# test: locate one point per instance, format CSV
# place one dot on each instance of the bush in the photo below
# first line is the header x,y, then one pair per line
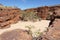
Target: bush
x,y
31,16
37,33
29,28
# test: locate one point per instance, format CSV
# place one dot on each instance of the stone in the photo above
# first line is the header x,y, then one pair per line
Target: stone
x,y
16,34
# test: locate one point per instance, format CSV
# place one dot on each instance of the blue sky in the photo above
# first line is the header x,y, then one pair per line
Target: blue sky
x,y
24,4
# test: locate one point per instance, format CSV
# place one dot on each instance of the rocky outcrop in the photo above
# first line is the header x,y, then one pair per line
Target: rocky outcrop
x,y
53,33
16,34
44,11
8,16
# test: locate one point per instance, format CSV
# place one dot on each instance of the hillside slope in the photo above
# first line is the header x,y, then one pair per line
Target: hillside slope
x,y
8,15
44,11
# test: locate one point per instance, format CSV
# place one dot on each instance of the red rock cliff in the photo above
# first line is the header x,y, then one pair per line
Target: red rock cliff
x,y
8,15
44,11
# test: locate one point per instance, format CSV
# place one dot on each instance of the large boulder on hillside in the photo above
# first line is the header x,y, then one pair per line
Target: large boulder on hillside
x,y
16,34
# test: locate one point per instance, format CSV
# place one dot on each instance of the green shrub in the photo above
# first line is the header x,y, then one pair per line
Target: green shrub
x,y
31,16
29,28
36,33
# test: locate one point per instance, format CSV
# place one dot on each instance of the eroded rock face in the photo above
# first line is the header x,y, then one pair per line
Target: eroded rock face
x,y
16,34
44,11
53,33
8,16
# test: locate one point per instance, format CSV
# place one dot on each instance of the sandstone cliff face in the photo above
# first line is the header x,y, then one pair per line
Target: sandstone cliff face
x,y
16,34
44,11
8,16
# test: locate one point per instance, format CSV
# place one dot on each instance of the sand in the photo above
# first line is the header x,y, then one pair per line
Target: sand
x,y
39,25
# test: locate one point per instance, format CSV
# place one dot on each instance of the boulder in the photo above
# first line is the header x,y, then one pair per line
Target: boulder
x,y
16,34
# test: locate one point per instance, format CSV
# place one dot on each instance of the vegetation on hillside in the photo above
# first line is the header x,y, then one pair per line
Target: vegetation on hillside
x,y
31,16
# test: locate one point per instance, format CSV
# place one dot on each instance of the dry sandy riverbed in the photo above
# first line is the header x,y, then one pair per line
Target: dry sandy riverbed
x,y
22,25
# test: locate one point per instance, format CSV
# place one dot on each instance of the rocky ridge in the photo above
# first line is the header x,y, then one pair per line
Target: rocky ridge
x,y
44,11
8,16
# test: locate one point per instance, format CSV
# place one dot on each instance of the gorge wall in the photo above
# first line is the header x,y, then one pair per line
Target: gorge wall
x,y
8,15
44,11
